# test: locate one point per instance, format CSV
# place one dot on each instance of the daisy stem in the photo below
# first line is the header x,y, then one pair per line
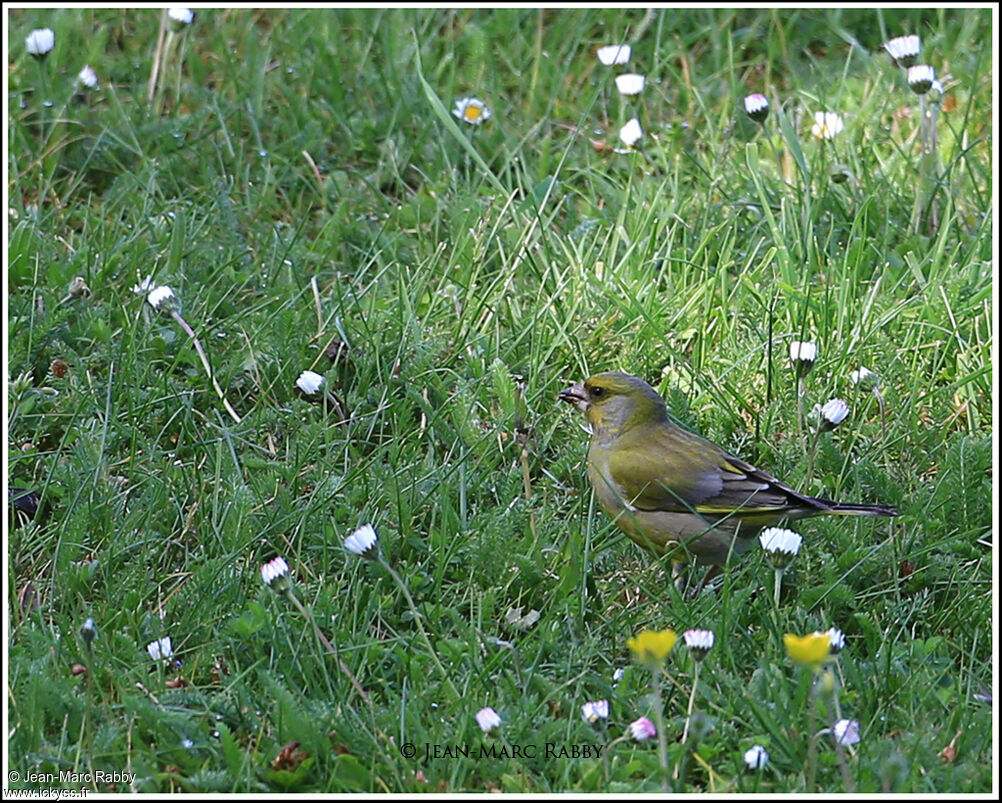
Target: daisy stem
x,y
606,752
89,691
205,363
800,405
151,84
810,456
847,783
660,722
775,152
883,412
932,112
692,703
42,81
812,748
778,586
166,55
330,647
927,168
417,619
833,717
180,65
334,402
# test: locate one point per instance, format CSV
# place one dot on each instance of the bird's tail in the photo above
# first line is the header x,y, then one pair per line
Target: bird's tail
x,y
850,509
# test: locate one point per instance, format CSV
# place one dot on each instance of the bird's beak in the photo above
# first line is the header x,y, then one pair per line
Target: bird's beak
x,y
575,395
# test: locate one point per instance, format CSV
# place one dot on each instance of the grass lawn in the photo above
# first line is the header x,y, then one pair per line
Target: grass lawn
x,y
303,184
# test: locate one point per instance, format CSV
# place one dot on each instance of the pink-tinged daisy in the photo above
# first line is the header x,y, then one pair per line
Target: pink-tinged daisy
x,y
488,719
643,729
273,572
846,732
757,107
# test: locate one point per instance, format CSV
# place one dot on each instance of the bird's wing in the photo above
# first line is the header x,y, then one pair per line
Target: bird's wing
x,y
753,490
683,472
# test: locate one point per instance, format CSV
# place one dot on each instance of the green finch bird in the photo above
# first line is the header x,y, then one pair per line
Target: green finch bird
x,y
672,491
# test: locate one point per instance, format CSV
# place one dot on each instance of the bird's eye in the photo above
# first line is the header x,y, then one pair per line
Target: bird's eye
x,y
597,393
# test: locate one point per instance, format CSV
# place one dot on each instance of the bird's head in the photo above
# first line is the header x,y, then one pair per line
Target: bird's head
x,y
615,402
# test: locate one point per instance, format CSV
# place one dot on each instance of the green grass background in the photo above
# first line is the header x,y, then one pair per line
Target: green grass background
x,y
304,183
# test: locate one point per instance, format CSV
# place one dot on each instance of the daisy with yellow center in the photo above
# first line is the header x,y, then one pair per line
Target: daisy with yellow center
x,y
472,111
827,125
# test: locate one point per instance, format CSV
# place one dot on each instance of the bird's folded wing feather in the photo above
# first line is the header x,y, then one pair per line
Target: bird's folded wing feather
x,y
685,473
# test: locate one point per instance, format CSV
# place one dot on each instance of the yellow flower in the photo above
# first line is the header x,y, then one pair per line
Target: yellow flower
x,y
809,650
652,647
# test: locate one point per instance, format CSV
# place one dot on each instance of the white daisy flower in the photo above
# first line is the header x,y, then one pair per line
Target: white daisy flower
x,y
833,413
161,649
163,299
903,49
144,286
614,54
921,77
631,133
472,111
39,42
593,711
781,545
88,632
802,355
180,17
363,542
310,382
864,378
87,77
846,732
827,125
699,642
630,83
756,757
836,640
